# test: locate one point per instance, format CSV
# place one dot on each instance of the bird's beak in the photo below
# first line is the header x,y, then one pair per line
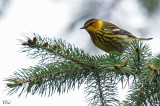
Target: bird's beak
x,y
83,27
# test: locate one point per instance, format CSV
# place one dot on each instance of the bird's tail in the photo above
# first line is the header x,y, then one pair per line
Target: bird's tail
x,y
144,38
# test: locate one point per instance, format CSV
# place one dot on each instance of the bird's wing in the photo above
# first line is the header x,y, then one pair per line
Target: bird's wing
x,y
122,32
111,28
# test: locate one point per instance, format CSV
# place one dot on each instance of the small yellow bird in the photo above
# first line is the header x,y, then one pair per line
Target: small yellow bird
x,y
108,36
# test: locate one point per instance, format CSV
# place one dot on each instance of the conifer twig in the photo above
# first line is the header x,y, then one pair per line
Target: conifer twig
x,y
138,59
42,76
143,88
59,53
78,61
100,88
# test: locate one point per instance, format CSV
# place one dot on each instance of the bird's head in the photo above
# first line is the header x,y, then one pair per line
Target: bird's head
x,y
93,25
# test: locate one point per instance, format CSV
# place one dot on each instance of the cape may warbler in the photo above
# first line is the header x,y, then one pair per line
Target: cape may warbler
x,y
108,36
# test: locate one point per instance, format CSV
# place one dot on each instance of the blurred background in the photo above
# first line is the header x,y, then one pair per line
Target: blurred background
x,y
63,19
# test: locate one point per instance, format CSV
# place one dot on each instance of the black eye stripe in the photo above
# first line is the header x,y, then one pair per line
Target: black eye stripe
x,y
90,24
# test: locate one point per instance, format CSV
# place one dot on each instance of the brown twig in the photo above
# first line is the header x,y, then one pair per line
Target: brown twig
x,y
100,89
40,77
66,56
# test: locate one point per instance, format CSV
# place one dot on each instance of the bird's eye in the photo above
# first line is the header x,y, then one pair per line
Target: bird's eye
x,y
90,24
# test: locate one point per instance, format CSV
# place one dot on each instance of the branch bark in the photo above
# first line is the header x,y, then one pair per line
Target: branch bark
x,y
100,89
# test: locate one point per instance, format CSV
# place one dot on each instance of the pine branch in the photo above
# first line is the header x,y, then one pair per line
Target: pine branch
x,y
41,77
146,91
100,88
148,84
62,66
55,49
138,54
48,75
